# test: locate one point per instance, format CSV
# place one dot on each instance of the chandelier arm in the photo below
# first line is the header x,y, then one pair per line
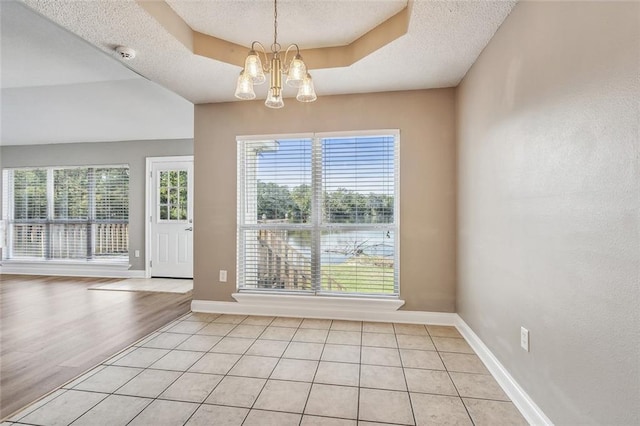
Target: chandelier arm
x,y
285,66
265,64
251,75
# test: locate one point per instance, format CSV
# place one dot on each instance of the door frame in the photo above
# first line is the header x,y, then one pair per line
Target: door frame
x,y
148,208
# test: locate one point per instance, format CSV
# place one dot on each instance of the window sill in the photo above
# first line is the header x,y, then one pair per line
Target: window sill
x,y
63,263
70,268
313,303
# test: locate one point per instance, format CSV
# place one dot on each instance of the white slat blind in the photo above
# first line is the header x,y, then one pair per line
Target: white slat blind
x,y
67,213
359,180
68,231
274,214
110,216
27,193
319,214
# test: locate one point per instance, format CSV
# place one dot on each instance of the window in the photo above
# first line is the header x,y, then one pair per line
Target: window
x,y
173,195
319,214
79,213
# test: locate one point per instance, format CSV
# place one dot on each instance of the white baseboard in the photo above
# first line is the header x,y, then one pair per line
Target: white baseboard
x,y
531,412
326,309
70,270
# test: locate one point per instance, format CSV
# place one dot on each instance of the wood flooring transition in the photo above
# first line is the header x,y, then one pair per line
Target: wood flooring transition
x,y
52,329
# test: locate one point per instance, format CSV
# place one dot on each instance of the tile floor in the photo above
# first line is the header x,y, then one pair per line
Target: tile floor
x,y
206,369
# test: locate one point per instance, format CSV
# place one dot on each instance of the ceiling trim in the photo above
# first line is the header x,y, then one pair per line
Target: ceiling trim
x,y
326,57
170,20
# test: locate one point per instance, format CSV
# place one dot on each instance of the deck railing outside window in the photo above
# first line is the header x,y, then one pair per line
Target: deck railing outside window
x,y
79,213
317,214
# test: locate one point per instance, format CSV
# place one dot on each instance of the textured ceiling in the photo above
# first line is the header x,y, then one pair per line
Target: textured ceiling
x,y
443,41
307,23
57,88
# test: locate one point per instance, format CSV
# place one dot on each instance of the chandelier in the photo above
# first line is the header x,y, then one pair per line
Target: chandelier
x,y
295,71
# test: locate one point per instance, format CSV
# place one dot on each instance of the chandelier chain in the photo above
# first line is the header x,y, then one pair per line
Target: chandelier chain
x,y
275,24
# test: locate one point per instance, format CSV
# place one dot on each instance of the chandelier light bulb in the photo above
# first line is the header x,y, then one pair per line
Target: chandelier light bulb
x,y
274,101
306,92
253,68
297,72
244,88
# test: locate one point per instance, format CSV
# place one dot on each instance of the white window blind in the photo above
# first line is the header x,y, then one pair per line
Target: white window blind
x,y
318,214
28,191
358,248
79,213
274,210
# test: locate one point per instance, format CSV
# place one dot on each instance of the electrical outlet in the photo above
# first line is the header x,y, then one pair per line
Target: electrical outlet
x,y
137,253
223,276
524,338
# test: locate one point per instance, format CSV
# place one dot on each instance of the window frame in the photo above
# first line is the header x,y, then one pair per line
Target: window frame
x,y
316,225
8,215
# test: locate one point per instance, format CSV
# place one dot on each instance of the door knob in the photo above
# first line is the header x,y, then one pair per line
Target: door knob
x,y
189,228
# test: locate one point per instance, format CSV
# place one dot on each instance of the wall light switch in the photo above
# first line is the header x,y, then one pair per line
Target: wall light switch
x,y
524,338
137,253
223,276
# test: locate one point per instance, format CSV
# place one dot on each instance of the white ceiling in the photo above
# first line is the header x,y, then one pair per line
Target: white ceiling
x,y
57,88
443,41
310,24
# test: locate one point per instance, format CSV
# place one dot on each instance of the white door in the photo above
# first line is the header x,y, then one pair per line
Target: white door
x,y
172,219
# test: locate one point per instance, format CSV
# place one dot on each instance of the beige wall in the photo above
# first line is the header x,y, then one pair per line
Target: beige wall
x,y
549,209
427,179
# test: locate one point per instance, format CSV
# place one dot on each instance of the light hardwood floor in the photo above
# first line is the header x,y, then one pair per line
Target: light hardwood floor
x,y
53,328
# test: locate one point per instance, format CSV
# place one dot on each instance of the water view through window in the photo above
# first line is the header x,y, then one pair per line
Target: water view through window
x,y
318,215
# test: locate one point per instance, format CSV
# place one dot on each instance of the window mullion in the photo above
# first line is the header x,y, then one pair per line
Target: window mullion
x,y
316,212
91,195
50,215
9,204
241,214
396,213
